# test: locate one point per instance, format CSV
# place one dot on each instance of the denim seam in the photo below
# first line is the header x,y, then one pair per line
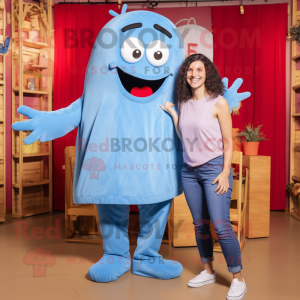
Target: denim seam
x,y
235,238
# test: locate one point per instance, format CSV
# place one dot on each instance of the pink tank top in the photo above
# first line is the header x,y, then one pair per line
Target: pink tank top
x,y
201,132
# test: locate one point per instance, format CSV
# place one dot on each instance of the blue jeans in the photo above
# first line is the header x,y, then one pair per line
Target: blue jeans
x,y
206,205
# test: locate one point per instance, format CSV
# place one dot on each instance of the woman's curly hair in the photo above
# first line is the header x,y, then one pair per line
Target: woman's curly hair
x,y
213,82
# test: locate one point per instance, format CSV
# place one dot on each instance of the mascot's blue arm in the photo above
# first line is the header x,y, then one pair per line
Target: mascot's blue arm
x,y
231,94
49,125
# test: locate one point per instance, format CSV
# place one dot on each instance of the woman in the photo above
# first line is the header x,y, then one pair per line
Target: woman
x,y
205,128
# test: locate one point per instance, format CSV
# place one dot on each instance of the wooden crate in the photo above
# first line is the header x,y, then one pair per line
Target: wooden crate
x,y
32,170
41,147
33,200
33,186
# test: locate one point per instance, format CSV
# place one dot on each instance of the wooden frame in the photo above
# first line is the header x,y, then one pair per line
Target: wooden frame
x,y
2,117
31,181
295,115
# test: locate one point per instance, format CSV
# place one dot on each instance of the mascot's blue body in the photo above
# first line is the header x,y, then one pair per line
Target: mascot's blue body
x,y
127,150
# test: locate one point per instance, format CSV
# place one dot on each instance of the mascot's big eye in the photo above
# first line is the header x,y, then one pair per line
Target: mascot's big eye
x,y
132,50
157,53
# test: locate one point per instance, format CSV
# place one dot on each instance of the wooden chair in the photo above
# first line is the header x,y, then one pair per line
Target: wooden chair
x,y
82,223
238,213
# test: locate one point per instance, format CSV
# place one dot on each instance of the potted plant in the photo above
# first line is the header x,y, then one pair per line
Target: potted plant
x,y
294,33
250,138
294,191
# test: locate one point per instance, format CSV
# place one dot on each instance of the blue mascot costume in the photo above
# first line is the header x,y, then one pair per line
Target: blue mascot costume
x,y
127,150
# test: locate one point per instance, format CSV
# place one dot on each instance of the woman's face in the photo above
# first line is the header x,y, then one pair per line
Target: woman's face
x,y
196,74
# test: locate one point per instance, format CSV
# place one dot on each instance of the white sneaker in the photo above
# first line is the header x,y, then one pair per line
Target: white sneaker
x,y
202,279
237,290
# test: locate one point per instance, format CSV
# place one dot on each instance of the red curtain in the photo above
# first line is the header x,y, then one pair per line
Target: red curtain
x,y
76,28
253,46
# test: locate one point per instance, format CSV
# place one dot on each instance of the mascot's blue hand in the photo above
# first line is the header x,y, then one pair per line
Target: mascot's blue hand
x,y
47,126
4,49
231,94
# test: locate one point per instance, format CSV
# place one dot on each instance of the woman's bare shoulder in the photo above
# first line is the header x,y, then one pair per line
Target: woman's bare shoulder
x,y
222,102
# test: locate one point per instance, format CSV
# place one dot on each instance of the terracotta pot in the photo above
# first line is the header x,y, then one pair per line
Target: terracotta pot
x,y
251,148
236,145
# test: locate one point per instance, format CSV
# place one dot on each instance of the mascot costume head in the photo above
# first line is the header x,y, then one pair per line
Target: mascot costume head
x,y
127,150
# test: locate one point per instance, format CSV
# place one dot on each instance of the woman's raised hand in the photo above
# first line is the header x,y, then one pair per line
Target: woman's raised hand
x,y
168,108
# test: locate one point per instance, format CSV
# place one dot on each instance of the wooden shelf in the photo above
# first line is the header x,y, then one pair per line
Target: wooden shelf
x,y
295,178
296,87
296,115
296,57
31,211
32,183
35,45
31,193
16,89
31,154
37,66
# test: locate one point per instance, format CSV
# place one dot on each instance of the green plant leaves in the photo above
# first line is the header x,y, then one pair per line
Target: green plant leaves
x,y
295,33
251,134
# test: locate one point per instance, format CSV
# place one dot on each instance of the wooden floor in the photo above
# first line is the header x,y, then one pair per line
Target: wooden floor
x,y
271,266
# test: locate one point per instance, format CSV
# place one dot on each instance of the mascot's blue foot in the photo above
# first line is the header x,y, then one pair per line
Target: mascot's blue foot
x,y
156,267
109,268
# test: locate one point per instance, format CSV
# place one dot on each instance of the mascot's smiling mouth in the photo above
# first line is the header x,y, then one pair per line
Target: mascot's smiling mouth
x,y
139,87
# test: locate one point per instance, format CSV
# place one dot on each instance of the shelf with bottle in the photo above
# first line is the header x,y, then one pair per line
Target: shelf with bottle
x,y
37,72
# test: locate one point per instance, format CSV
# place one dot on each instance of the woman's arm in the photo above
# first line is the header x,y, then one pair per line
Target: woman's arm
x,y
168,108
222,111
